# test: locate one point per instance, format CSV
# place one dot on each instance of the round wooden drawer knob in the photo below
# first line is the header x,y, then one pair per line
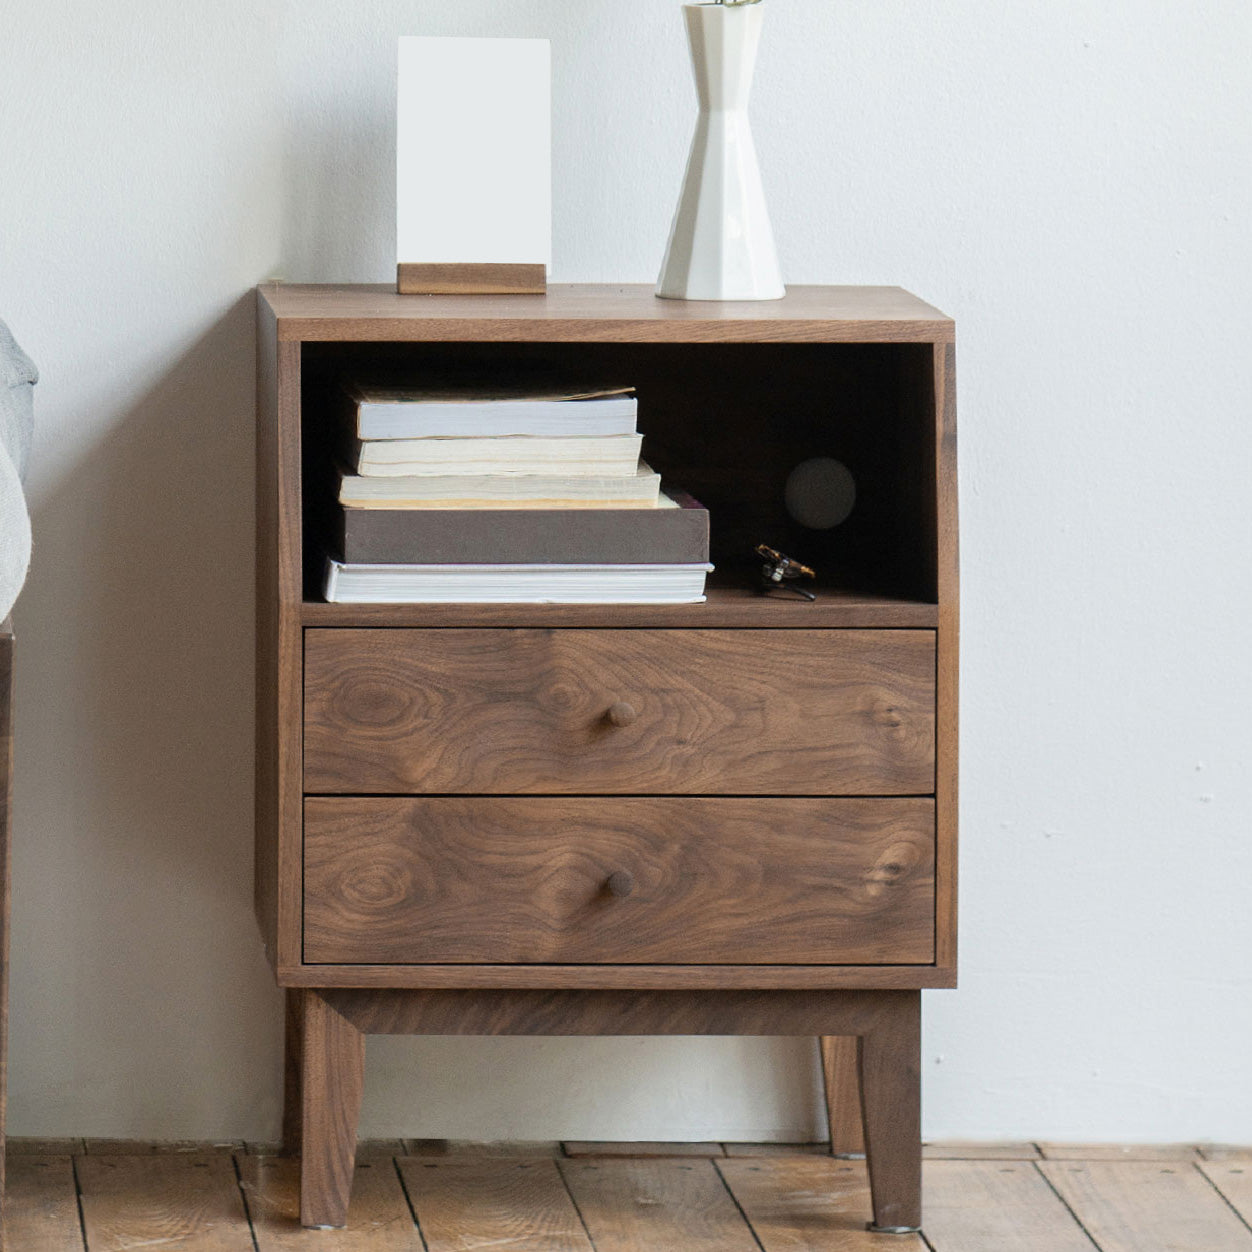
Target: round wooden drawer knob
x,y
621,714
620,883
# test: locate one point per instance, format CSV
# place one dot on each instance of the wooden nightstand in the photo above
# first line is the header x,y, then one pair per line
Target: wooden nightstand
x,y
736,817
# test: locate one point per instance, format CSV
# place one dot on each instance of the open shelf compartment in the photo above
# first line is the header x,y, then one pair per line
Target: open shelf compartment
x,y
725,422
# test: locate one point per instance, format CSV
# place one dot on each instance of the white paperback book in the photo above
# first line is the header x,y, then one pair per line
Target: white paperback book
x,y
514,584
451,412
640,490
511,454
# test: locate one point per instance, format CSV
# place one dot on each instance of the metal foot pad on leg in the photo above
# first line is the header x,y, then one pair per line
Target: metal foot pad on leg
x,y
893,1230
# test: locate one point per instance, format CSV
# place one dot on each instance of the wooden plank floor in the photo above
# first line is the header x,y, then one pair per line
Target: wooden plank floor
x,y
423,1195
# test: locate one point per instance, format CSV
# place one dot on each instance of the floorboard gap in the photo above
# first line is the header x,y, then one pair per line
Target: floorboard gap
x,y
573,1200
1066,1203
78,1198
243,1195
1232,1207
408,1199
735,1201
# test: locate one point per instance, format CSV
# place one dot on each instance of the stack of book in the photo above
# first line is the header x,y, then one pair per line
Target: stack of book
x,y
522,496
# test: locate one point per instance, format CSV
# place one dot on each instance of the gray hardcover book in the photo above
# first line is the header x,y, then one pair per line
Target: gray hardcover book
x,y
675,535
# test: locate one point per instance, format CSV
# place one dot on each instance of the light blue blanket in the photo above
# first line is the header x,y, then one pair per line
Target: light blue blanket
x,y
17,419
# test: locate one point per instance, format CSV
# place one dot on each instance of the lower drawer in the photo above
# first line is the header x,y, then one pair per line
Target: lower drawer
x,y
632,880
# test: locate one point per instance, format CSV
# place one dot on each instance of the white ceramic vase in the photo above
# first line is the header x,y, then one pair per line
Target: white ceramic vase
x,y
721,246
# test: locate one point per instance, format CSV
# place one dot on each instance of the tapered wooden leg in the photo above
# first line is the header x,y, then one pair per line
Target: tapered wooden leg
x,y
889,1060
292,1048
332,1076
843,1094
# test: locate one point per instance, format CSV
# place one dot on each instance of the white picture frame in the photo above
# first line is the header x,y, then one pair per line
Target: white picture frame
x,y
473,163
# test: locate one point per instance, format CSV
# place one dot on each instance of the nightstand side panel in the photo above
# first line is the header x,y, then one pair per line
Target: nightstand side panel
x,y
279,644
947,677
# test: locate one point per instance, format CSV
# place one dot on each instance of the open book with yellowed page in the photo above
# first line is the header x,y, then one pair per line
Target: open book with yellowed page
x,y
642,489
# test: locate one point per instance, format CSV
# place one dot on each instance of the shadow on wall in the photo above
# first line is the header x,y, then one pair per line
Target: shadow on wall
x,y
340,194
669,1087
135,904
142,1003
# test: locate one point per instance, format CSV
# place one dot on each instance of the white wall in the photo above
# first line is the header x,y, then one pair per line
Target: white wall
x,y
1070,180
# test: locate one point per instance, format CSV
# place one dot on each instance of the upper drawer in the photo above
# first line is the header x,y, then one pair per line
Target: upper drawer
x,y
748,712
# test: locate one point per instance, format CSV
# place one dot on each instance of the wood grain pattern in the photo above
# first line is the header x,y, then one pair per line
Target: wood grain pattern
x,y
643,1205
809,1204
461,1148
980,1150
620,977
524,711
730,606
1118,1151
1130,1206
476,279
605,313
268,749
465,1205
293,1071
332,1077
192,1203
41,1205
366,1149
288,661
972,1205
613,1012
843,1095
160,1147
642,1149
378,1213
279,595
947,674
523,880
889,1067
991,1206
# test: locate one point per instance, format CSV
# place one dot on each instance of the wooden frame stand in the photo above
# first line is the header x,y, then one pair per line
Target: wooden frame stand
x,y
428,279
